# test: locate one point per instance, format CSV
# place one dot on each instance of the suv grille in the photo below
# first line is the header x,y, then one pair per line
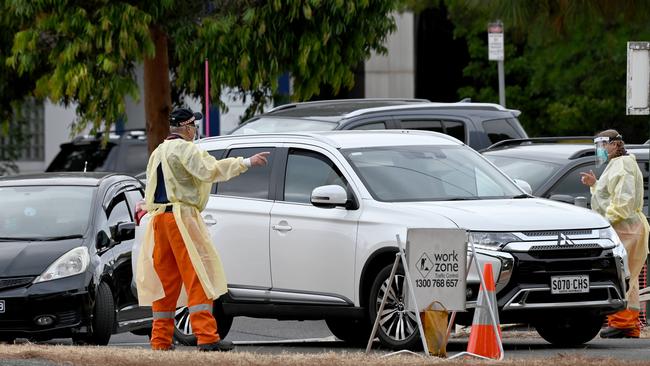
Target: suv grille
x,y
555,233
565,251
6,283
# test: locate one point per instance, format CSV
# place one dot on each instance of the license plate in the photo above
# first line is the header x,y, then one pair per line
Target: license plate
x,y
569,284
2,306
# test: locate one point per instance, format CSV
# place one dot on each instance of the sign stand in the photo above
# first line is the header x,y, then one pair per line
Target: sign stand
x,y
495,327
401,256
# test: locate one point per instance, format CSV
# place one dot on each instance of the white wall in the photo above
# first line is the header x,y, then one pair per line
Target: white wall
x,y
393,75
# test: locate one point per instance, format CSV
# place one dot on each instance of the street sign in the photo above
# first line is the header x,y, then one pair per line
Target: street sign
x,y
437,263
638,78
495,41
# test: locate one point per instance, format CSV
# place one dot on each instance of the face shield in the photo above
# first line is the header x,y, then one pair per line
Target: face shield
x,y
601,150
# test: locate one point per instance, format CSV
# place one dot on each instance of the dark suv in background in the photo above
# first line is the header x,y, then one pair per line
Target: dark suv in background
x,y
478,125
124,153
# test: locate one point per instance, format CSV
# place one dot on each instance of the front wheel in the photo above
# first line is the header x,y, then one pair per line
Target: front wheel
x,y
103,318
183,333
570,330
352,331
398,327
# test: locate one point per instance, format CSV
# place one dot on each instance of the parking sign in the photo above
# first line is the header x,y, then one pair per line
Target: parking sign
x,y
495,41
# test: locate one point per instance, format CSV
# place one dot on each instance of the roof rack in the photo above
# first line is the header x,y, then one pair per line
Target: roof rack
x,y
540,140
342,101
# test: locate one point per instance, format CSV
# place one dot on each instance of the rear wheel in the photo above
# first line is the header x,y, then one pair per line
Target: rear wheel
x,y
353,331
183,333
570,330
398,326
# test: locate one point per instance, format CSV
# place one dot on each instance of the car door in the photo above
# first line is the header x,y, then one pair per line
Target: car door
x,y
118,257
237,217
312,249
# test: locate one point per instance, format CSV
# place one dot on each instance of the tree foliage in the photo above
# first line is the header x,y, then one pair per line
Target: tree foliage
x,y
565,62
89,48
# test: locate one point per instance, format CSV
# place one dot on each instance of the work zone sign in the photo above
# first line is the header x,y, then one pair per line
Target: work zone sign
x,y
437,262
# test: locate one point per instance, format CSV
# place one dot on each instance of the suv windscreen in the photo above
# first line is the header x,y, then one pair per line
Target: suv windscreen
x,y
73,157
271,124
428,173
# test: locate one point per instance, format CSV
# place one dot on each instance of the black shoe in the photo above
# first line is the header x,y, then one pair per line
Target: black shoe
x,y
221,346
611,332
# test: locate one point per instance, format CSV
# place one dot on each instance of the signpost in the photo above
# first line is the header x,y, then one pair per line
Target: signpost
x,y
496,53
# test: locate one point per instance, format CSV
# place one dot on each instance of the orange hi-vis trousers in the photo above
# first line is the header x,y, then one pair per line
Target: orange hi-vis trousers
x,y
627,319
174,268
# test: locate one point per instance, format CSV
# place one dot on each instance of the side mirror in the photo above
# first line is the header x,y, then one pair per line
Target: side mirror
x,y
102,241
581,201
563,198
329,196
123,231
524,185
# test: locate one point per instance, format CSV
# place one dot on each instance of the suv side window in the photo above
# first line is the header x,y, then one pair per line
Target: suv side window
x,y
371,126
423,125
252,184
499,129
455,129
570,183
307,170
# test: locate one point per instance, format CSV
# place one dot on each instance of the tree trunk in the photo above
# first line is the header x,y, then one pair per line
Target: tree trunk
x,y
157,91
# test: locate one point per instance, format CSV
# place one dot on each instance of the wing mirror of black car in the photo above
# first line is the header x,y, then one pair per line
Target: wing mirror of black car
x,y
331,196
563,198
102,241
123,231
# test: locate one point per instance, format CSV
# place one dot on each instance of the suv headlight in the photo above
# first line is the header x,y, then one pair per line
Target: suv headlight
x,y
619,249
490,240
71,263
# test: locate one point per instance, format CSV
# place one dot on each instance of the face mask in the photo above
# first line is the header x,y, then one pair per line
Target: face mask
x,y
601,155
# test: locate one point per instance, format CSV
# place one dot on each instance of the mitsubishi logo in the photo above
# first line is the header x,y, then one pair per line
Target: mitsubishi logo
x,y
564,240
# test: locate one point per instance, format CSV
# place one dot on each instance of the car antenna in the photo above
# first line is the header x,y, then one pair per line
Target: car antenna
x,y
85,165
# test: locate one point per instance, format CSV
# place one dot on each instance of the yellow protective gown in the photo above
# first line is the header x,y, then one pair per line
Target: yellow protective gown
x,y
189,173
618,195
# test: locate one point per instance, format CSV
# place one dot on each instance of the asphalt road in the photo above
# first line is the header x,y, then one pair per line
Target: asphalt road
x,y
271,336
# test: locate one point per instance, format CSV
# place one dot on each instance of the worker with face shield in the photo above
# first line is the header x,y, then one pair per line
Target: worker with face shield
x,y
177,251
618,196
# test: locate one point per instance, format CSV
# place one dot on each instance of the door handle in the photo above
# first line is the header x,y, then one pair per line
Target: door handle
x,y
209,220
281,227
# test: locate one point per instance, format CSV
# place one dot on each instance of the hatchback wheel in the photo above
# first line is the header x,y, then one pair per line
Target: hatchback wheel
x,y
183,333
398,327
103,318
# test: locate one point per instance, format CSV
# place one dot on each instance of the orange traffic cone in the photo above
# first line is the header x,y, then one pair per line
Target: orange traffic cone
x,y
482,340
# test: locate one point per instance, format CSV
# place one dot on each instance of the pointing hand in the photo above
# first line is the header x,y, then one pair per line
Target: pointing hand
x,y
259,159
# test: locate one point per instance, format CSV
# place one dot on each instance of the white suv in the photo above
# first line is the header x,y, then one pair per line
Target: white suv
x,y
312,235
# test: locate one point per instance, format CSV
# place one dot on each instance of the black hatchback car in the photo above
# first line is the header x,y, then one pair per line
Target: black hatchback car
x,y
478,125
65,257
